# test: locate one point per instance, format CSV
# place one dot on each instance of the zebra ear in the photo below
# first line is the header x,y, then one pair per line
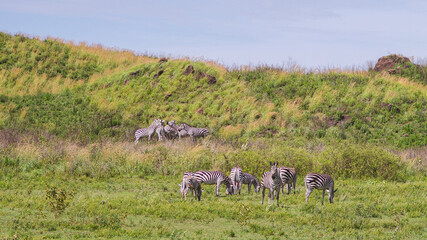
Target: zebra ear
x,y
179,184
335,190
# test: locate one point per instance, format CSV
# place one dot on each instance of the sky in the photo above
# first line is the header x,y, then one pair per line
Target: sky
x,y
314,34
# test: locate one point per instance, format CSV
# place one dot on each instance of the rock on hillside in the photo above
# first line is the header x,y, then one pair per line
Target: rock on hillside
x,y
392,63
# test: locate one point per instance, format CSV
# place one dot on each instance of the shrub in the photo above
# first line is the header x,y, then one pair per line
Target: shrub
x,y
360,161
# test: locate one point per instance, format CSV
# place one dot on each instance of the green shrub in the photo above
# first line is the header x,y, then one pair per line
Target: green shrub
x,y
360,161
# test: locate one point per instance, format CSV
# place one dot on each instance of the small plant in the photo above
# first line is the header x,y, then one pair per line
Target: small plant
x,y
58,199
244,213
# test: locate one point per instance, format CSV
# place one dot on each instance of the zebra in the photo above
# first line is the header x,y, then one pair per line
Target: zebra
x,y
271,180
182,134
190,182
251,180
147,132
193,132
236,176
182,185
214,177
161,130
171,130
288,177
321,182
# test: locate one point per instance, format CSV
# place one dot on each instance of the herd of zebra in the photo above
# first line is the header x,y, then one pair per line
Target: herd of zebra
x,y
170,131
273,180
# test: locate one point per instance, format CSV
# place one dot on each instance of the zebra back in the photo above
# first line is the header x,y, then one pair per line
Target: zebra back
x,y
193,131
287,175
319,181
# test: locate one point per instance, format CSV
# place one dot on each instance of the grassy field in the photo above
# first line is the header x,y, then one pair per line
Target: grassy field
x,y
56,189
69,168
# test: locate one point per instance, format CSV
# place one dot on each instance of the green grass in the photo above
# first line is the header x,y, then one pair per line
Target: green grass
x,y
119,190
150,207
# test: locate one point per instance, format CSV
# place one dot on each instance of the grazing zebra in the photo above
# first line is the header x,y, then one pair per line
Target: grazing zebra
x,y
193,132
321,182
161,130
271,180
214,177
147,132
251,180
182,185
171,130
236,176
288,177
190,182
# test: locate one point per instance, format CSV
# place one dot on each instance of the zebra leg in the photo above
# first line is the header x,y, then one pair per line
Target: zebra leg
x,y
307,194
240,187
288,188
278,194
263,194
323,195
249,188
282,186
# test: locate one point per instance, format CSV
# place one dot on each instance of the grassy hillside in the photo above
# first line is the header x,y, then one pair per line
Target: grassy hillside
x,y
124,91
69,167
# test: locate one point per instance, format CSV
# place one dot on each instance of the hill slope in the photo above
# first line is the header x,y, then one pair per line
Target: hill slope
x,y
90,92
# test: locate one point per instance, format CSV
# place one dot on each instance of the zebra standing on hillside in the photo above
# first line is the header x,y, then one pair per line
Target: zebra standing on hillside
x,y
236,176
271,180
161,130
214,177
193,132
321,182
288,177
251,180
147,132
171,130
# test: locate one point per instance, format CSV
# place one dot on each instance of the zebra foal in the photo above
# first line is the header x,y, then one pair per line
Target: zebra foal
x,y
321,182
250,179
271,181
147,132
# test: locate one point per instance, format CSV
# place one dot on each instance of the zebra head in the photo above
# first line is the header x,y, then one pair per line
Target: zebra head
x,y
274,170
182,126
257,188
228,186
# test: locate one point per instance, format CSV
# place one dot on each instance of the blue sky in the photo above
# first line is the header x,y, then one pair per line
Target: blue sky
x,y
312,33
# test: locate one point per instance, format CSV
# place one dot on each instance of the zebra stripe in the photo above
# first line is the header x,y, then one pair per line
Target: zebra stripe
x,y
321,182
214,177
251,180
236,176
193,132
147,132
271,181
288,177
